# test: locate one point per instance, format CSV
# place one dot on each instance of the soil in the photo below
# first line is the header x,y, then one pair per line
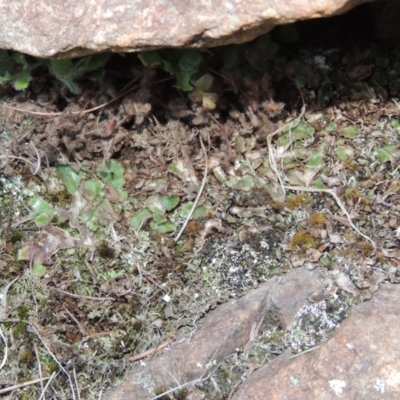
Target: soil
x,y
289,164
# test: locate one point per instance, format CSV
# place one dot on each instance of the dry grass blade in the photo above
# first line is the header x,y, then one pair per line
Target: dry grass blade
x,y
271,157
203,183
38,161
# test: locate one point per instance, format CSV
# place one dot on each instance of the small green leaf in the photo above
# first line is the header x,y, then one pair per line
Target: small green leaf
x,y
296,132
331,127
164,227
190,61
324,261
137,220
395,123
113,172
96,61
300,81
316,160
204,83
183,80
350,132
344,152
42,212
150,59
319,184
64,71
160,204
70,178
39,270
169,202
385,153
22,80
197,213
42,220
159,218
169,67
91,189
246,183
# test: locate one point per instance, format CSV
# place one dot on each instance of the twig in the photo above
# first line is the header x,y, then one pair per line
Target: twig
x,y
47,384
80,326
3,307
81,296
18,158
150,352
76,384
55,114
198,194
191,383
54,358
304,352
339,203
39,367
5,355
21,385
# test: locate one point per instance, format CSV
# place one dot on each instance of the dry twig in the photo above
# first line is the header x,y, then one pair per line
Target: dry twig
x,y
22,385
151,351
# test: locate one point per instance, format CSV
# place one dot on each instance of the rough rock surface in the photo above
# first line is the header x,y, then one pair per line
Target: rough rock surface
x,y
223,331
74,28
361,360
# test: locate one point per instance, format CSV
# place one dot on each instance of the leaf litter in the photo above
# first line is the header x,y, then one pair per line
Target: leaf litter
x,y
127,223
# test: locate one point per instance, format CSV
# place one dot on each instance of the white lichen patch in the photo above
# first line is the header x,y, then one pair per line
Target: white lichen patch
x,y
314,322
337,386
238,265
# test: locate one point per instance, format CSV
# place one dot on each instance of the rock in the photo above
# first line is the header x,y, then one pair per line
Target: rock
x,y
223,330
361,360
54,28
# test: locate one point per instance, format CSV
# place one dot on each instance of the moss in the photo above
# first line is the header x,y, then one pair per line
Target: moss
x,y
26,356
160,390
62,198
23,312
19,329
302,240
293,202
15,237
365,248
104,250
181,394
317,220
